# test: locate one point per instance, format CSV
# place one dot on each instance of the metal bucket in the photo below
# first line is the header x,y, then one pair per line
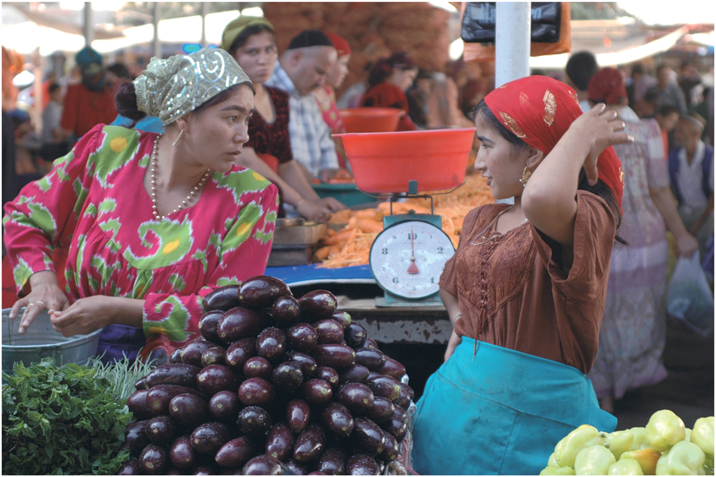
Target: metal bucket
x,y
41,341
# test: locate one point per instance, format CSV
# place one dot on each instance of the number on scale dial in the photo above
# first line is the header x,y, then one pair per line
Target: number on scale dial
x,y
408,258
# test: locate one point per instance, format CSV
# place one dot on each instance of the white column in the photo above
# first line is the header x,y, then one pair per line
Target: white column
x,y
88,26
204,11
156,44
512,41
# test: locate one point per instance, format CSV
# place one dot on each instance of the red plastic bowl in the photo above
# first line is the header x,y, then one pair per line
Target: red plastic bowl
x,y
364,120
385,162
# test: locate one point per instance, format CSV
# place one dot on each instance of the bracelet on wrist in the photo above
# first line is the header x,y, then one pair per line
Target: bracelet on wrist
x,y
298,204
457,315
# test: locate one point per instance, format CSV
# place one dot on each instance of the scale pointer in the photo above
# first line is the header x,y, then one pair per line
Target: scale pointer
x,y
412,269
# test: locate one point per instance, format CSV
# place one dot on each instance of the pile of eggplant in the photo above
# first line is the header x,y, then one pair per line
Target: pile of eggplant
x,y
276,385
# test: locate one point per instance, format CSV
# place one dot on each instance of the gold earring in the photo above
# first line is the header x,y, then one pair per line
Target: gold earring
x,y
526,174
181,131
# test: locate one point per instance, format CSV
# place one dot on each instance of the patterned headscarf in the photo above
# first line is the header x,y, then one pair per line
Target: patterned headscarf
x,y
539,110
236,27
607,85
169,89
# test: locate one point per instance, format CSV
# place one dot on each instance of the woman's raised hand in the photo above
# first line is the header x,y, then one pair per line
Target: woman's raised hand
x,y
600,128
313,211
45,294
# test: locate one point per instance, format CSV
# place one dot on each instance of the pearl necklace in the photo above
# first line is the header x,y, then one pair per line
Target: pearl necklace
x,y
153,180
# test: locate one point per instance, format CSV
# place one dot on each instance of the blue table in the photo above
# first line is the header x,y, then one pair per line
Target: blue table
x,y
311,275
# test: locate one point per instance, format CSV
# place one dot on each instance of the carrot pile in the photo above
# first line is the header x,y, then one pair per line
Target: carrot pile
x,y
351,245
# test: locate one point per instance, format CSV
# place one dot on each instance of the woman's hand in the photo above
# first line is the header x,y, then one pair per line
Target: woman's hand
x,y
600,128
332,203
45,294
84,316
452,344
313,211
687,245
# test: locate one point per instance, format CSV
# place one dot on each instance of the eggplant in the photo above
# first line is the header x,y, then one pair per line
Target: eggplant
x,y
381,411
256,392
207,325
263,465
215,378
179,374
317,305
191,352
390,450
153,460
224,406
386,386
141,383
271,344
362,464
355,335
209,437
316,391
262,291
161,430
135,437
285,311
392,368
302,337
338,419
203,470
236,452
174,358
298,415
257,367
213,355
396,426
372,359
238,323
406,396
334,355
159,396
368,436
287,377
343,318
254,421
355,373
329,375
369,343
279,442
239,352
356,397
295,467
222,299
181,453
137,404
307,363
309,444
188,410
131,467
329,331
332,462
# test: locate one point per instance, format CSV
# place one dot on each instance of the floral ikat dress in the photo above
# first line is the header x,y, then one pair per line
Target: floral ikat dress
x,y
93,201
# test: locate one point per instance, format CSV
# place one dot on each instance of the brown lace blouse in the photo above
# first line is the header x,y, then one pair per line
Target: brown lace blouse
x,y
513,291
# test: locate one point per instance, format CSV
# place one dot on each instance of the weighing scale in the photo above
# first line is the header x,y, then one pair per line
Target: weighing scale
x,y
408,256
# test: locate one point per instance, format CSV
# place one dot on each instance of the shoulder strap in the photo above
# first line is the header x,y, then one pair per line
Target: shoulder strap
x,y
674,172
706,170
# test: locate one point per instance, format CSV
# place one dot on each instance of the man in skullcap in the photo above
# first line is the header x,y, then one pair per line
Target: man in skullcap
x,y
301,69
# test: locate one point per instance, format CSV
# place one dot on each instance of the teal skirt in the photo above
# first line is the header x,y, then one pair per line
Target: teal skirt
x,y
499,411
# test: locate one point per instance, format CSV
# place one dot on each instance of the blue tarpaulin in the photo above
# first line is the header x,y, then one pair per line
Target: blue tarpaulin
x,y
311,274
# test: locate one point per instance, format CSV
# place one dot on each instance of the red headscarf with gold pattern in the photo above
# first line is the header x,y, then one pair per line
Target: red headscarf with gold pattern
x,y
539,110
341,45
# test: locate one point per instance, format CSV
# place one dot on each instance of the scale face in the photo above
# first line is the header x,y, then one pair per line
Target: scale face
x,y
407,258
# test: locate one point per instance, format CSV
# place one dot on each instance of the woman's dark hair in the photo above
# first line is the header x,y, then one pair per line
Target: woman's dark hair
x,y
243,37
600,188
380,72
126,100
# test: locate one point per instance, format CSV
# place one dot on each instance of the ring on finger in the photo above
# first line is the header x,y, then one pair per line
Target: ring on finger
x,y
41,302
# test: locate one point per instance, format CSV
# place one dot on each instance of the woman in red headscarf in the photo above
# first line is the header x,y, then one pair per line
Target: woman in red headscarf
x,y
326,95
387,82
526,287
633,332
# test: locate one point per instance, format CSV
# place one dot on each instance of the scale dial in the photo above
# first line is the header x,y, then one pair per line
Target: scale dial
x,y
407,258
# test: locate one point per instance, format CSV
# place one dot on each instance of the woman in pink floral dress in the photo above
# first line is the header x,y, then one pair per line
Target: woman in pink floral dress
x,y
153,222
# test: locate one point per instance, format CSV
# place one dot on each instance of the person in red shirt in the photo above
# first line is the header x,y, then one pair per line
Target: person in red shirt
x,y
90,102
387,83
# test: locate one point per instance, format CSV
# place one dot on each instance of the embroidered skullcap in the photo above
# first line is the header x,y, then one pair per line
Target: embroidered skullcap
x,y
169,89
539,110
309,38
89,61
236,27
341,45
607,85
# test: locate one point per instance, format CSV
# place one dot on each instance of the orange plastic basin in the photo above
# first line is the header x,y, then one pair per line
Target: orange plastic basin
x,y
364,120
385,162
